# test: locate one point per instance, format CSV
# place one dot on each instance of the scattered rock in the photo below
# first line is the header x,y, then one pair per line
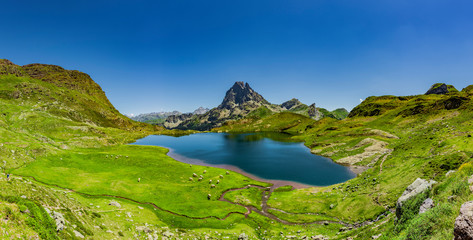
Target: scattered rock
x,y
168,234
416,188
449,173
332,206
426,205
58,219
318,237
140,207
23,196
376,236
116,204
143,229
464,222
78,234
243,236
376,147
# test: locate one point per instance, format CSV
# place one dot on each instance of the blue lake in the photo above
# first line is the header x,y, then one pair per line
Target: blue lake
x,y
268,156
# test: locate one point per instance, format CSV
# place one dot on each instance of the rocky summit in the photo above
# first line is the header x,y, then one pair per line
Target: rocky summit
x,y
239,101
241,94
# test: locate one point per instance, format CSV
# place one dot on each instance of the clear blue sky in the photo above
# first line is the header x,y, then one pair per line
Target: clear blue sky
x,y
179,55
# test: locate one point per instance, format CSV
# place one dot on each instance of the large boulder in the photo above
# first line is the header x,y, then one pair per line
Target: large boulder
x,y
464,222
417,187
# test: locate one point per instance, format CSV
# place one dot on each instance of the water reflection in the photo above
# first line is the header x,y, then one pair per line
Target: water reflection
x,y
266,155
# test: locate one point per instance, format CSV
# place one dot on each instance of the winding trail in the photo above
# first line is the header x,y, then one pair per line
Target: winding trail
x,y
264,206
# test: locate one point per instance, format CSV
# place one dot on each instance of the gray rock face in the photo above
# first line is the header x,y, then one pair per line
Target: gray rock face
x,y
241,93
438,89
174,120
417,187
154,115
200,110
58,219
314,112
426,205
464,223
291,104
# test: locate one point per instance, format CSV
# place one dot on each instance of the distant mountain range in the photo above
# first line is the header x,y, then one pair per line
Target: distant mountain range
x,y
242,101
158,118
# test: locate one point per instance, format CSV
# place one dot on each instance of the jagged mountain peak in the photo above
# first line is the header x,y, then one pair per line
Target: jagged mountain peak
x,y
241,93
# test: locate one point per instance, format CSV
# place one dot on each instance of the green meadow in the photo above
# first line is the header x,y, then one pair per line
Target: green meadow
x,y
68,151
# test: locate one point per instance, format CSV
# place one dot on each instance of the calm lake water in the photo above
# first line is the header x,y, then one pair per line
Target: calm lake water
x,y
269,156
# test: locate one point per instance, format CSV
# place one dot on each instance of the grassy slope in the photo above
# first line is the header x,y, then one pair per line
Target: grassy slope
x,y
433,136
44,121
163,181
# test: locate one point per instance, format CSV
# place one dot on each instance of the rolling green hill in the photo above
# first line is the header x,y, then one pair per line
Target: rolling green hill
x,y
66,148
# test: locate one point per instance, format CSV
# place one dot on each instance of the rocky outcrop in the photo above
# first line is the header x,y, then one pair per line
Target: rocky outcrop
x,y
376,147
464,222
314,112
438,88
147,117
58,219
291,104
417,187
174,120
200,110
441,88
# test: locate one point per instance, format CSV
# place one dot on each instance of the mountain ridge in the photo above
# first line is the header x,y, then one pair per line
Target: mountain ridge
x,y
242,101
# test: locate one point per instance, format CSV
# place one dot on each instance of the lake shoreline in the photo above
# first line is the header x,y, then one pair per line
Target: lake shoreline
x,y
271,159
276,183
